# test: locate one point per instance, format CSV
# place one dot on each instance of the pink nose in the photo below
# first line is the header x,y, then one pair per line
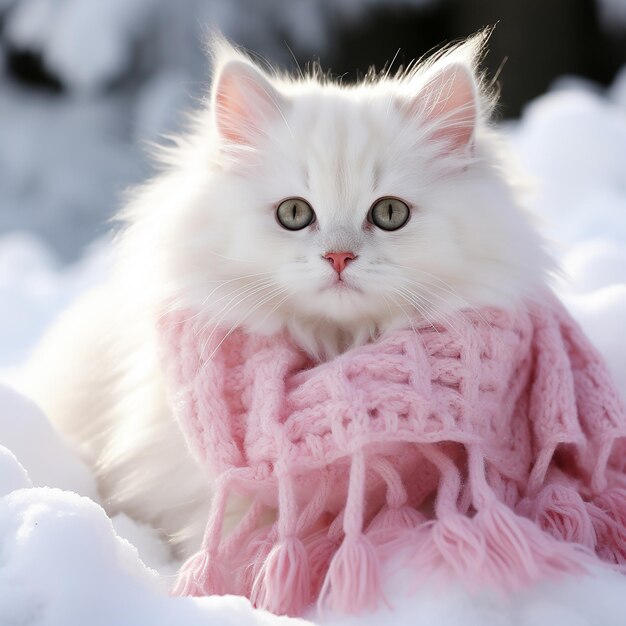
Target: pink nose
x,y
339,259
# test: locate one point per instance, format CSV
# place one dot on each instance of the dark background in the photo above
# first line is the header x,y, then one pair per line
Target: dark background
x,y
534,41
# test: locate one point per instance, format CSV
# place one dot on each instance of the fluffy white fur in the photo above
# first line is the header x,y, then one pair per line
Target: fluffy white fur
x,y
203,234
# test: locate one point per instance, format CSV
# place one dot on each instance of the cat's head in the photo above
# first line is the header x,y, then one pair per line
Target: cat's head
x,y
306,203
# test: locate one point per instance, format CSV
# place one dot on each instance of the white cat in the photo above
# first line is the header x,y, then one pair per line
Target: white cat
x,y
335,211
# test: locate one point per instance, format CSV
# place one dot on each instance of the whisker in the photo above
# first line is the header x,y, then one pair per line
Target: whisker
x,y
436,311
231,280
230,305
408,317
233,295
229,258
407,297
236,325
175,305
236,290
444,287
275,307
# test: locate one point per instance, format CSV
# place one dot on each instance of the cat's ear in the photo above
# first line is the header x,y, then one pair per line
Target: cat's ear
x,y
244,102
447,105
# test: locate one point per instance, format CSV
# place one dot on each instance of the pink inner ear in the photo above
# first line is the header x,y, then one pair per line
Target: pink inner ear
x,y
448,102
234,117
244,101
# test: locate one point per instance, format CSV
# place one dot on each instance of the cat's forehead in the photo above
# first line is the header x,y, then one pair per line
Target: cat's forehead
x,y
348,125
342,146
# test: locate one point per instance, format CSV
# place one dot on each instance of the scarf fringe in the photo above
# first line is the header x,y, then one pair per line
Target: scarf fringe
x,y
354,579
496,548
610,533
561,512
613,501
283,585
390,521
519,553
200,575
288,566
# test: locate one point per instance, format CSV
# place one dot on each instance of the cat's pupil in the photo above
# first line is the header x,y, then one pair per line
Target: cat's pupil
x,y
390,207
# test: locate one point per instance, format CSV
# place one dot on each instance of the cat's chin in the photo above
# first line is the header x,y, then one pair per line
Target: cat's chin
x,y
326,334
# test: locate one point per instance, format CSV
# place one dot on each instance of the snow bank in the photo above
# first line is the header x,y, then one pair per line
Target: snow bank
x,y
27,433
573,141
62,563
35,288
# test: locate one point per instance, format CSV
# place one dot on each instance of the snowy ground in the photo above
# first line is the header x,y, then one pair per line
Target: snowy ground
x,y
62,561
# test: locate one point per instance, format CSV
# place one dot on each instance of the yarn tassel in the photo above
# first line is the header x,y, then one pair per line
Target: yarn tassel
x,y
518,553
460,545
258,549
200,575
496,549
396,516
283,586
393,530
561,512
613,501
353,582
445,549
392,520
610,533
320,547
451,545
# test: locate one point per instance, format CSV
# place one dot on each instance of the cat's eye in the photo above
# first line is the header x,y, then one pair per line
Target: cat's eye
x,y
294,214
389,213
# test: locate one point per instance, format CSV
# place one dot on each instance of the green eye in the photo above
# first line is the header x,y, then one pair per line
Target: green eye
x,y
294,214
389,213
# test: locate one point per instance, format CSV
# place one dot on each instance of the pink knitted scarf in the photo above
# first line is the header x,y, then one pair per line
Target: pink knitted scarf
x,y
486,449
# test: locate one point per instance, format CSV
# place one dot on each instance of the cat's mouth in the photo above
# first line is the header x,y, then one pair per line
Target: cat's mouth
x,y
341,285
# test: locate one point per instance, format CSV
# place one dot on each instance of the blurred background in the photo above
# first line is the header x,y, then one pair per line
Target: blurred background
x,y
85,85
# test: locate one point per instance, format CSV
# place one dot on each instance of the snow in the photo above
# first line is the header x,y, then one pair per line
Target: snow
x,y
28,434
63,562
63,164
573,141
613,15
35,287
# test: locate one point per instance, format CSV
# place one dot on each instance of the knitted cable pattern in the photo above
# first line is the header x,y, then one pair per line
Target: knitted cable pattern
x,y
487,449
